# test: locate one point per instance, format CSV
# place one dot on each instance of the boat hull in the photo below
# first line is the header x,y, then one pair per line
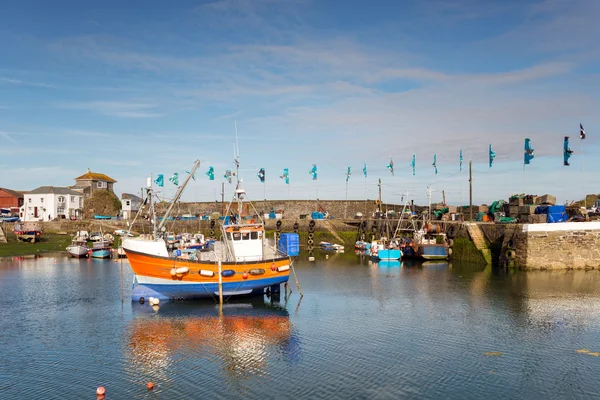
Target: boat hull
x,y
78,251
102,253
388,254
143,287
153,276
433,251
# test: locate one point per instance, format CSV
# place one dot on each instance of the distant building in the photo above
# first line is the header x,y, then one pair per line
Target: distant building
x,y
11,200
48,202
89,182
130,205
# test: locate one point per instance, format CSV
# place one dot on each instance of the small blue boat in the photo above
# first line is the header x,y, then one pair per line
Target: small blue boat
x,y
9,219
102,217
101,249
389,254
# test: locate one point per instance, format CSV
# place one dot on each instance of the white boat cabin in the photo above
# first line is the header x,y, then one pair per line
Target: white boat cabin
x,y
245,242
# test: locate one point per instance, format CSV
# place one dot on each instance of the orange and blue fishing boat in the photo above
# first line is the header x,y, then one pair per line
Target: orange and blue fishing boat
x,y
242,262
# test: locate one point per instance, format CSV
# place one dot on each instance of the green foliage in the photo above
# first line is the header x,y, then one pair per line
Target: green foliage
x,y
102,202
47,243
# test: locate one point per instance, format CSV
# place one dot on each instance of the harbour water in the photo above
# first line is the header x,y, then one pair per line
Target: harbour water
x,y
362,330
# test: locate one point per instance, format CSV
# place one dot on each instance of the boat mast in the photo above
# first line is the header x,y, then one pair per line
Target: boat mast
x,y
178,196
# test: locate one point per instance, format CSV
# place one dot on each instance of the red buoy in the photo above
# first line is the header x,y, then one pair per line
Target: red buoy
x,y
100,391
245,275
273,267
149,385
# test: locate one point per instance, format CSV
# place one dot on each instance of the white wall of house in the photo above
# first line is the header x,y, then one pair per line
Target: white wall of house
x,y
47,206
130,207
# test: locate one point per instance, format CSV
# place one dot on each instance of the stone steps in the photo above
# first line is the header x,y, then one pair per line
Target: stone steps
x,y
2,236
479,241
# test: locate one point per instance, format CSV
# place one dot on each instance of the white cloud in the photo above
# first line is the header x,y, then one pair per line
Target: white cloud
x,y
116,108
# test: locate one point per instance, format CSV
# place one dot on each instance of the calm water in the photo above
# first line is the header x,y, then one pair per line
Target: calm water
x,y
361,331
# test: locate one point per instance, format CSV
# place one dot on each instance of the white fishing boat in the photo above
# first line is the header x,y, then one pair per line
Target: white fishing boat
x,y
78,248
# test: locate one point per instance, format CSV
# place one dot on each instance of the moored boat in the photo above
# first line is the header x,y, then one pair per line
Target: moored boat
x,y
242,262
101,249
78,248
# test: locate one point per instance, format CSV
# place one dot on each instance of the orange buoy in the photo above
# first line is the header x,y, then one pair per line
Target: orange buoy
x,y
149,385
245,275
100,391
273,267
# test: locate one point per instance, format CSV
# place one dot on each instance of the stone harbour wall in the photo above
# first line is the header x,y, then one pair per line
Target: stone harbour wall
x,y
570,245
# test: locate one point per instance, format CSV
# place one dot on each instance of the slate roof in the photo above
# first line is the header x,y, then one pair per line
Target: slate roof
x,y
13,193
94,176
54,190
129,196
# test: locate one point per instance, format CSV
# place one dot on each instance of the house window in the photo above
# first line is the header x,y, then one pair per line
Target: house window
x,y
61,199
60,210
42,199
127,202
80,202
101,185
72,199
29,199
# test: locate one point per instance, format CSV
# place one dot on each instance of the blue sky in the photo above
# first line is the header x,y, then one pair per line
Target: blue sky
x,y
132,89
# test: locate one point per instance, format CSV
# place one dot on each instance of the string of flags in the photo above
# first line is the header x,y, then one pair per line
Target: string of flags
x,y
175,179
492,155
313,172
211,173
528,156
261,175
528,152
285,176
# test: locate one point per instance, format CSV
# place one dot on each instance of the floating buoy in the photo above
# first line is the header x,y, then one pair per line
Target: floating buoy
x,y
228,272
154,301
327,256
142,300
100,391
273,267
245,275
155,308
283,268
150,300
149,385
173,272
205,272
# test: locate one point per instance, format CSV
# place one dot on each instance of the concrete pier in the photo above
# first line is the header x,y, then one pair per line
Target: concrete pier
x,y
568,245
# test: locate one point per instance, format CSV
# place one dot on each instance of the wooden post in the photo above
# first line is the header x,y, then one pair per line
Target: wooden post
x,y
470,191
220,285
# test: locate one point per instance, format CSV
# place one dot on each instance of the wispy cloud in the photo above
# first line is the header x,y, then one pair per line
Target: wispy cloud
x,y
26,83
6,137
116,108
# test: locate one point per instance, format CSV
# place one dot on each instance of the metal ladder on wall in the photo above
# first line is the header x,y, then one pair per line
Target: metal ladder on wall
x,y
479,240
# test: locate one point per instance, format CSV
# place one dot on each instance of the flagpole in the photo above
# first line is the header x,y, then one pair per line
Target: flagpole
x,y
582,172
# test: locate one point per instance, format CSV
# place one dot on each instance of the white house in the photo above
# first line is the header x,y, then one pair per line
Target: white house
x,y
48,202
130,204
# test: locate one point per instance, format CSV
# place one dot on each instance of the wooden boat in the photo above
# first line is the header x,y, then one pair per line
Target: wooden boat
x,y
242,263
101,249
78,248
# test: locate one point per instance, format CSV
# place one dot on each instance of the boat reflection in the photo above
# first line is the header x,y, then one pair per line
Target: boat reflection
x,y
241,339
